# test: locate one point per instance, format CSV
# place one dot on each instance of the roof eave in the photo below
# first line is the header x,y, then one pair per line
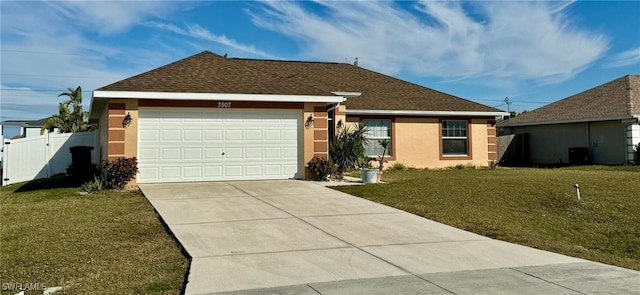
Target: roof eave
x,y
635,118
100,97
426,113
218,96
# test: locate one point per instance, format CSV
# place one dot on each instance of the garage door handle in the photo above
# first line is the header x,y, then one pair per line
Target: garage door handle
x,y
223,153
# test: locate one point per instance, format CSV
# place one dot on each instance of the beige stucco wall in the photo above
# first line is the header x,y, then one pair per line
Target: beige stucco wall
x,y
417,143
312,146
131,132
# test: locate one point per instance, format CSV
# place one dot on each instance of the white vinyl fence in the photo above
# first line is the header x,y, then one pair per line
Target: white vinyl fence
x,y
42,156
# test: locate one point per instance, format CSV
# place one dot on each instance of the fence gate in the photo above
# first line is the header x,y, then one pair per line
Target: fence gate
x,y
43,156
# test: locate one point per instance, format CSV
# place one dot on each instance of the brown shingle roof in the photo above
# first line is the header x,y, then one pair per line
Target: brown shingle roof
x,y
379,92
210,73
207,72
618,98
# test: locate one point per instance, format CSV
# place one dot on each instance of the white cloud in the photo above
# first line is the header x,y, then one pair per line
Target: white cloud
x,y
523,40
49,46
625,58
198,32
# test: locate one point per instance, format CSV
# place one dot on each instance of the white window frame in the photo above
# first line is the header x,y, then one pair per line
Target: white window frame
x,y
373,136
446,136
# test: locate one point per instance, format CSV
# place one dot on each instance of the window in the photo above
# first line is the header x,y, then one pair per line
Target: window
x,y
455,140
377,130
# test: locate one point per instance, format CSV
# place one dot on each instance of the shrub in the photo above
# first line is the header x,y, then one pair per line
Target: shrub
x,y
638,153
321,168
347,149
397,166
93,186
120,171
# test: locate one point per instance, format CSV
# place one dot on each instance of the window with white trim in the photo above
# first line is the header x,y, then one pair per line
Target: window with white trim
x,y
455,138
377,129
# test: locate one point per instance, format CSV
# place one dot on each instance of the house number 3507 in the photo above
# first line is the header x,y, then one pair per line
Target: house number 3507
x,y
224,104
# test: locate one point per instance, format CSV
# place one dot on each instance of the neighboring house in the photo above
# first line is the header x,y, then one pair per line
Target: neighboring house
x,y
599,125
207,117
28,128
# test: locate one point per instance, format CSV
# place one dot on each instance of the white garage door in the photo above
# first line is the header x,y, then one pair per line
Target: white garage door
x,y
176,145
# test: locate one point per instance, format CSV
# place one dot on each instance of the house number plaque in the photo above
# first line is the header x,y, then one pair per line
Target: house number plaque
x,y
224,104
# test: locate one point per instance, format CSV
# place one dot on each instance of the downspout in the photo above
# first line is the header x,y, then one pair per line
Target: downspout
x,y
333,107
332,125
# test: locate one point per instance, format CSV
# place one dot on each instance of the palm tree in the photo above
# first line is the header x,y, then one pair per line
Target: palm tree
x,y
70,118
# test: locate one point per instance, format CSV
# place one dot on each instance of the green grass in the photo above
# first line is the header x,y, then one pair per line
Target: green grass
x,y
106,243
533,207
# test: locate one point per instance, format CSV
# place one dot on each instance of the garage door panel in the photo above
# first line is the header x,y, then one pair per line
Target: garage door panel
x,y
252,170
192,172
289,153
192,153
152,135
152,154
253,153
215,144
272,170
213,153
170,154
171,135
193,135
170,172
272,135
290,169
291,135
233,153
230,135
272,153
253,135
170,117
213,172
212,134
232,171
149,172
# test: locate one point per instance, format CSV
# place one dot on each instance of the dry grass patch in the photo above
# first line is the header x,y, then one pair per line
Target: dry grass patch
x,y
532,207
105,243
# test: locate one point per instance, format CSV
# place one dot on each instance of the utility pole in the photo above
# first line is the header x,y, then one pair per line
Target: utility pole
x,y
508,102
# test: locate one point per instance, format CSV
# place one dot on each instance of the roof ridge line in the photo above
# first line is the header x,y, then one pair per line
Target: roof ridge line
x,y
288,60
296,75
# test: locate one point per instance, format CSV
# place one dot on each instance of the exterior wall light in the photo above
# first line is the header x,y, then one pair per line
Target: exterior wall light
x,y
127,120
309,121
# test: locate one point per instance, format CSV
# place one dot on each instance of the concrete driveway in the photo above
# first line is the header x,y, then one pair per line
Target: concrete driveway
x,y
296,237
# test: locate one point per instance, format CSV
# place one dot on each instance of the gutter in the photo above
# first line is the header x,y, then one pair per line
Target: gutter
x,y
635,118
425,113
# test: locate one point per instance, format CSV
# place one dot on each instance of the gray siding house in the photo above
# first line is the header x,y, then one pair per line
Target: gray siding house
x,y
600,126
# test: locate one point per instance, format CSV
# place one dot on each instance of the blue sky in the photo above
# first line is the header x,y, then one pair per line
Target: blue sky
x,y
532,52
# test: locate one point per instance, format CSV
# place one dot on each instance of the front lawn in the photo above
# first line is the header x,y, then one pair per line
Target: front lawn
x,y
533,207
105,243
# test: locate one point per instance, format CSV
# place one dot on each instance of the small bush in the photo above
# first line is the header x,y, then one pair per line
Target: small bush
x,y
93,186
638,153
120,171
462,167
397,166
321,168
